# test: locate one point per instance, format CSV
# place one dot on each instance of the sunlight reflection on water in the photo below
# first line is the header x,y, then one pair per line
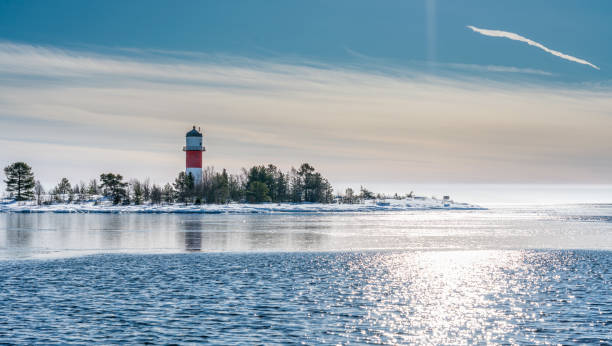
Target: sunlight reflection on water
x,y
432,297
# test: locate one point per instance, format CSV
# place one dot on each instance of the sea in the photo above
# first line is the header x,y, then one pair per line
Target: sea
x,y
509,274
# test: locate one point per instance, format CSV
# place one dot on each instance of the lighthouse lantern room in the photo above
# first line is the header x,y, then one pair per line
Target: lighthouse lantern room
x,y
193,150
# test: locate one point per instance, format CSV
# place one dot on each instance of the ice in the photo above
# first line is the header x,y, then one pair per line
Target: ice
x,y
104,206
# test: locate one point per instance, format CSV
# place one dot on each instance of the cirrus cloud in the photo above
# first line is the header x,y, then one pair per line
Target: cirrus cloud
x,y
517,37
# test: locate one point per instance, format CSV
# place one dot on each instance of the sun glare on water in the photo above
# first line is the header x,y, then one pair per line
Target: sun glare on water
x,y
445,297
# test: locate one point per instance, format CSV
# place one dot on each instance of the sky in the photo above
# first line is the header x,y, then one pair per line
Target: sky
x,y
394,92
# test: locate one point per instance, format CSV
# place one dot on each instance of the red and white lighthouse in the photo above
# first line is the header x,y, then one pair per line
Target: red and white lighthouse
x,y
194,149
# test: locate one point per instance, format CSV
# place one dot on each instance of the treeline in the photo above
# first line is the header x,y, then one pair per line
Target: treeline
x,y
254,185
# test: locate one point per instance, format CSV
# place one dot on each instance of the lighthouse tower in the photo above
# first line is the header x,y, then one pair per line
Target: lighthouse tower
x,y
194,149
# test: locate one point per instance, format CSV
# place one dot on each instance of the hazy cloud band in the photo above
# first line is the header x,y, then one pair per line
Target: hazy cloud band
x,y
77,114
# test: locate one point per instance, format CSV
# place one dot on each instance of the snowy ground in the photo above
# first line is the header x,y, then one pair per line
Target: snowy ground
x,y
417,203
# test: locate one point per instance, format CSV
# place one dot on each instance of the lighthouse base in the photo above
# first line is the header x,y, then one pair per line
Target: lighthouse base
x,y
196,173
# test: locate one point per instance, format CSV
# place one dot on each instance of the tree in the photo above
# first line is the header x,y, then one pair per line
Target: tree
x,y
156,194
282,187
76,191
92,188
146,189
221,187
113,186
263,177
365,193
184,186
296,186
137,191
236,188
258,192
270,178
206,190
82,191
276,182
62,189
307,185
349,196
306,173
19,181
324,193
168,193
38,191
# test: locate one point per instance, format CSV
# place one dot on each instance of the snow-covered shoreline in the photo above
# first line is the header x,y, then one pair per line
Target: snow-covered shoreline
x,y
417,203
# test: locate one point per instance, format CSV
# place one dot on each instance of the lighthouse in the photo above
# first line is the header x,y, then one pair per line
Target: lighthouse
x,y
193,150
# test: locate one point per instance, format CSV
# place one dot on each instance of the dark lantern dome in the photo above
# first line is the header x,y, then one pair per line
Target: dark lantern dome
x,y
193,133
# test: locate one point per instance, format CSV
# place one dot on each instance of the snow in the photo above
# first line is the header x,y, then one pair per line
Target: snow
x,y
417,203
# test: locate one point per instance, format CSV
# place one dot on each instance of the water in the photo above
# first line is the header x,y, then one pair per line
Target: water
x,y
507,275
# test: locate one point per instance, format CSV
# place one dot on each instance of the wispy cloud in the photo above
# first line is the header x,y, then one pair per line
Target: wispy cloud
x,y
517,37
442,67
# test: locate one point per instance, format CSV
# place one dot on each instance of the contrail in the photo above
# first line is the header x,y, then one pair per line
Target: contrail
x,y
516,37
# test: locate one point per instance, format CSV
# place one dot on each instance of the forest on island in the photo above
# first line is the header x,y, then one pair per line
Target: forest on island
x,y
257,184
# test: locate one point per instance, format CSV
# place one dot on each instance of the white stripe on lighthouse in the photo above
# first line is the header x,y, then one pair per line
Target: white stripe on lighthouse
x,y
197,174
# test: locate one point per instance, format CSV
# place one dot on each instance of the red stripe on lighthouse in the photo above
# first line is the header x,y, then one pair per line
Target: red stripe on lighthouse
x,y
194,159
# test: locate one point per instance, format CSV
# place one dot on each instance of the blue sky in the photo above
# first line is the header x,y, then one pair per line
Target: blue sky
x,y
397,91
405,33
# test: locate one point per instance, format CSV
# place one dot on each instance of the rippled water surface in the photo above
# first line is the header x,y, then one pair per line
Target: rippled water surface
x,y
523,275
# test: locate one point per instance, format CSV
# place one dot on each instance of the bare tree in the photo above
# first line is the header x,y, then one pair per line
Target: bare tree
x,y
146,189
82,191
156,194
39,191
93,188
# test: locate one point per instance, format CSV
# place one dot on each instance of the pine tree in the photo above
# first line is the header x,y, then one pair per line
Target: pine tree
x,y
365,193
113,186
261,184
282,188
306,173
258,192
270,179
64,188
168,193
19,181
297,186
184,186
